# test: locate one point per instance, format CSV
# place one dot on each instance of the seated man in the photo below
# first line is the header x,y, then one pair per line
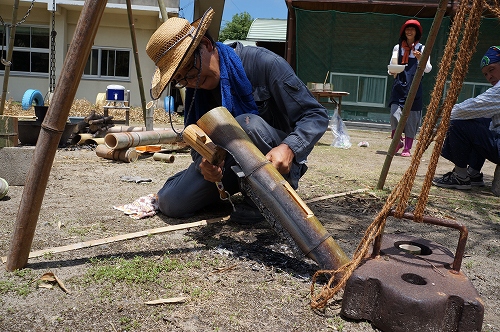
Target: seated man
x,y
474,133
258,88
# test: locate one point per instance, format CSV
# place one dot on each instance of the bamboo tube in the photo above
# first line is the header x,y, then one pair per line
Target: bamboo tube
x,y
86,138
96,141
121,129
118,141
81,138
125,155
281,205
167,158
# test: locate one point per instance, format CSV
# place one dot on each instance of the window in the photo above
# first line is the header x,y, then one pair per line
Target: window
x,y
106,62
365,90
469,90
31,50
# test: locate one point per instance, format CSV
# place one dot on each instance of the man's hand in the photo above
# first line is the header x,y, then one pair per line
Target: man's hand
x,y
281,157
212,173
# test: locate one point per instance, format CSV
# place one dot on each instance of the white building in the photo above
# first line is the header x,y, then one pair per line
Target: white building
x,y
37,63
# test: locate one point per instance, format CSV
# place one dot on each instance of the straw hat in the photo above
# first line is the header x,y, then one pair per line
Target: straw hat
x,y
171,47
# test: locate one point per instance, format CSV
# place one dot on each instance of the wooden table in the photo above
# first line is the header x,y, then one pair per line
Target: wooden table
x,y
331,95
117,105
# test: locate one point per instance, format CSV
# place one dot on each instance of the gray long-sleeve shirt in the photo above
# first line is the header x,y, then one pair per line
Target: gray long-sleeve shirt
x,y
284,101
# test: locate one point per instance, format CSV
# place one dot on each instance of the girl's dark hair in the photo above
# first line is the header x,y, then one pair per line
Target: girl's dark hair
x,y
418,34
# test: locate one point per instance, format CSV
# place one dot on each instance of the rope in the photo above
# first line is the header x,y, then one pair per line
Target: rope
x,y
494,8
468,14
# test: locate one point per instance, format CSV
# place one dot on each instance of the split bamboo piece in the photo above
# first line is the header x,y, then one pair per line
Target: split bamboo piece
x,y
122,237
198,140
125,155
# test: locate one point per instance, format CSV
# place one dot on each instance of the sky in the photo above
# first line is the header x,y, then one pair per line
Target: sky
x,y
256,9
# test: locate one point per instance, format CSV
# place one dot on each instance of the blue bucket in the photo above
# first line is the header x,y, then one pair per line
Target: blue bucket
x,y
168,104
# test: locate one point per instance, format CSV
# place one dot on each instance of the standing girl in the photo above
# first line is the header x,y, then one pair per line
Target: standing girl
x,y
407,52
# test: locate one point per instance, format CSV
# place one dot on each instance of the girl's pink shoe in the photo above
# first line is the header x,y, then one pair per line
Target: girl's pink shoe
x,y
405,153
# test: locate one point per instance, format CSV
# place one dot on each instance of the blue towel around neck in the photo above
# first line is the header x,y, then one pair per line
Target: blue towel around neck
x,y
236,89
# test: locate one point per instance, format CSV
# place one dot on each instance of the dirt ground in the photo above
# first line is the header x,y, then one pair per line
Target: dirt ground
x,y
233,278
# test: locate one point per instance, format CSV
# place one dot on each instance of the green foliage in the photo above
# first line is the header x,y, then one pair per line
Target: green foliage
x,y
238,28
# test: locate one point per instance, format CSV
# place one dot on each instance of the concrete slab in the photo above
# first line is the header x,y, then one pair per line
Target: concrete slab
x,y
15,163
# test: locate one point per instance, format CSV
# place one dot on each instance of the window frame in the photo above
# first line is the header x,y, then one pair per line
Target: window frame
x,y
462,97
98,66
44,52
355,94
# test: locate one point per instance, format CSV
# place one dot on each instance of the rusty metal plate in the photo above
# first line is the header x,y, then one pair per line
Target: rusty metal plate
x,y
411,287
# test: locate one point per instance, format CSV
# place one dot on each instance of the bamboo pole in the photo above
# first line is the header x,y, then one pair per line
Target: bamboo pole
x,y
6,73
121,129
436,24
136,58
119,141
281,205
50,133
163,10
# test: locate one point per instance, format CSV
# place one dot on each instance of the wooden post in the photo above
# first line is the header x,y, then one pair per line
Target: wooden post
x,y
50,134
137,62
436,25
6,73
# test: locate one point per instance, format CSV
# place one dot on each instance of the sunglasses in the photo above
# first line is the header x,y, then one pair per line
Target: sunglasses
x,y
192,72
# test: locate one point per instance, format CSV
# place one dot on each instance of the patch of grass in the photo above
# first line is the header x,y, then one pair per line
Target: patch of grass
x,y
135,270
22,286
128,323
79,231
336,323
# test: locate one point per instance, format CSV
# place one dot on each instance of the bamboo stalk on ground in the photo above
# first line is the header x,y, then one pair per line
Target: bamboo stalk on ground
x,y
125,155
118,141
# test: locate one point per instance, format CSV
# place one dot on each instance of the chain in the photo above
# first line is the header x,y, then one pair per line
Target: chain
x,y
53,35
5,25
22,20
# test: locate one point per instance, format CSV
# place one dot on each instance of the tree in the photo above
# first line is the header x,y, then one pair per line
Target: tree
x,y
238,28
